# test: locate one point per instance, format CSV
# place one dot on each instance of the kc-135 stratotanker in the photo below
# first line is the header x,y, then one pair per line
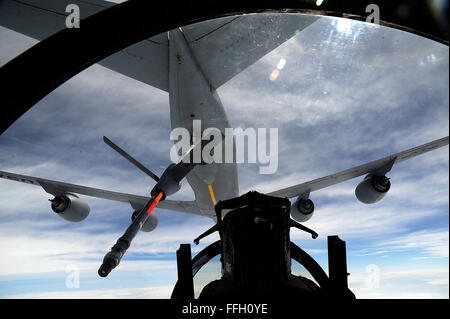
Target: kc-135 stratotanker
x,y
190,63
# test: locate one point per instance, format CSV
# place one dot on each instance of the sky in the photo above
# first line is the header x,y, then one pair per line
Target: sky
x,y
348,93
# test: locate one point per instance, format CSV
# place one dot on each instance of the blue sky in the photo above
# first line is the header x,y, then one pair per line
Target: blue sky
x,y
349,93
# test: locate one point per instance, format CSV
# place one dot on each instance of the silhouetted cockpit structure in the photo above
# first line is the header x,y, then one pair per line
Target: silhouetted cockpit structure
x,y
256,253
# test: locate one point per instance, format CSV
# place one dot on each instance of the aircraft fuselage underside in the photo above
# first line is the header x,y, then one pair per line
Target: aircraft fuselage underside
x,y
192,97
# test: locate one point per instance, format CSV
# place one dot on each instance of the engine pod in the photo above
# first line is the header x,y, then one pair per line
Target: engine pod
x,y
372,189
151,222
302,209
70,207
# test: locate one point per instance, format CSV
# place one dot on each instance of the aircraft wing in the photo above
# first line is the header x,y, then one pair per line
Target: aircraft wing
x,y
146,61
223,47
137,202
380,166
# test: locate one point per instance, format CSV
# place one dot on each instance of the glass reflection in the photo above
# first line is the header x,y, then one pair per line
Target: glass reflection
x,y
340,92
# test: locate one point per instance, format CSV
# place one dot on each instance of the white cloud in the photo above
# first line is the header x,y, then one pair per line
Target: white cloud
x,y
157,292
432,243
335,107
423,283
27,250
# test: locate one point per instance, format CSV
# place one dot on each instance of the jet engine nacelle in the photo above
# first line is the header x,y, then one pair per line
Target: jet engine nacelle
x,y
70,207
151,222
302,209
372,188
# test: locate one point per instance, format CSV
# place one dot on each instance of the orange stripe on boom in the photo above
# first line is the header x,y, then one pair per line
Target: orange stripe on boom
x,y
155,202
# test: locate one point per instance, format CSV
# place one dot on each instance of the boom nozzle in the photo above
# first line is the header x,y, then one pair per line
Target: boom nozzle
x,y
168,184
112,259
